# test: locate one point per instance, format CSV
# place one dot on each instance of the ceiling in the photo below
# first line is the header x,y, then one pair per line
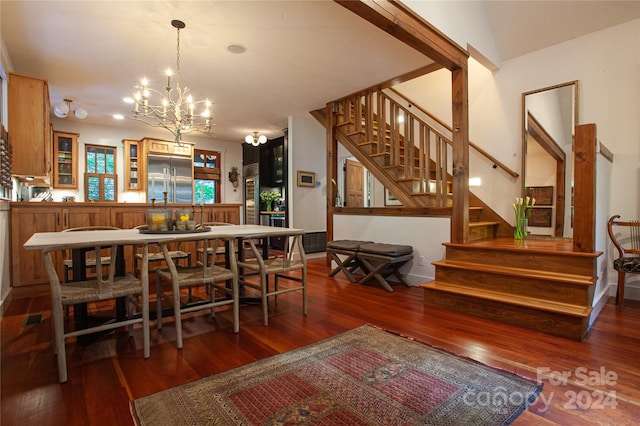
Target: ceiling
x,y
299,54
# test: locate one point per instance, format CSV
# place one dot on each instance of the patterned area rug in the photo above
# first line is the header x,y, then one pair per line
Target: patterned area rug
x,y
365,376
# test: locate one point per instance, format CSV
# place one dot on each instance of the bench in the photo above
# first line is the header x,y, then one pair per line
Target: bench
x,y
347,248
380,260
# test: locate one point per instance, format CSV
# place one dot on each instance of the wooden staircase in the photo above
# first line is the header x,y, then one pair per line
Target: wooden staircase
x,y
539,284
417,177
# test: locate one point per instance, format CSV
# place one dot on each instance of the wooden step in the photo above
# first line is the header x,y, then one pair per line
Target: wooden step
x,y
541,284
482,230
504,251
562,319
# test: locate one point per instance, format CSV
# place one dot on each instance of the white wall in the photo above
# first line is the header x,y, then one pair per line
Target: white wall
x,y
307,152
424,234
231,153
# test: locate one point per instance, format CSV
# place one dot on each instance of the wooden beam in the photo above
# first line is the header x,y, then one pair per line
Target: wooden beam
x,y
584,195
402,23
332,170
460,155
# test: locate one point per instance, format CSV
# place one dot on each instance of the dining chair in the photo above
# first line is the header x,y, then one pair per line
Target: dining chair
x,y
281,263
156,255
217,252
91,260
100,288
220,282
625,236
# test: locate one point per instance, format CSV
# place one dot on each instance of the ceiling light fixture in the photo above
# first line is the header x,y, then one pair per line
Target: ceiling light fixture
x,y
175,109
255,140
62,109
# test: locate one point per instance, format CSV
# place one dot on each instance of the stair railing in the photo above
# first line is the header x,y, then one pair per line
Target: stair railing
x,y
424,168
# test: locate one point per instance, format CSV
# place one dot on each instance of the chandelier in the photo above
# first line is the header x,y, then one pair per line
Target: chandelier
x,y
174,109
255,140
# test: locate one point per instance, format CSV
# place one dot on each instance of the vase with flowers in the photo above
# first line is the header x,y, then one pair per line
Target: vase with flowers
x,y
268,197
522,209
338,201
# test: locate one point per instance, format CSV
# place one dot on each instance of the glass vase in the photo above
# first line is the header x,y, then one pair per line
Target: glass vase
x,y
520,231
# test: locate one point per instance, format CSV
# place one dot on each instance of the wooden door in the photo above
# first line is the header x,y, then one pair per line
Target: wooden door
x,y
27,265
354,182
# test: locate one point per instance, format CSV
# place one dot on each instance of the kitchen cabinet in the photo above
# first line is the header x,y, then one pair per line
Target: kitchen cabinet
x,y
65,160
29,126
29,218
272,163
158,146
27,266
134,166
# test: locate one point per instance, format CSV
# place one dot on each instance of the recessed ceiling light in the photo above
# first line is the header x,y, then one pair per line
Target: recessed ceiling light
x,y
235,48
118,116
128,100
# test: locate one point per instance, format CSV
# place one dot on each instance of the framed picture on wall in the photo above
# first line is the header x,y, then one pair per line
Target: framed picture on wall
x,y
390,200
540,217
306,179
542,194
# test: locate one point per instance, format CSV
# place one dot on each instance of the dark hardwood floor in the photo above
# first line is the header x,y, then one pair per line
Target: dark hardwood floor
x,y
602,386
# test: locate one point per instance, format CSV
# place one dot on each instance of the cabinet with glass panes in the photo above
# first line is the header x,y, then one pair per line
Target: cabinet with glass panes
x,y
133,165
65,160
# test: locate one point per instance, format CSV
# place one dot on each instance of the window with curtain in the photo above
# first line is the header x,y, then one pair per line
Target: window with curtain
x,y
100,179
206,174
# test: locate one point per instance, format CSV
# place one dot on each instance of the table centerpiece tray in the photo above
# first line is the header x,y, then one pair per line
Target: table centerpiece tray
x,y
144,230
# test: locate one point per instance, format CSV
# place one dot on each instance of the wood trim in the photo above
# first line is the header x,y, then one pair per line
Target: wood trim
x,y
395,211
605,152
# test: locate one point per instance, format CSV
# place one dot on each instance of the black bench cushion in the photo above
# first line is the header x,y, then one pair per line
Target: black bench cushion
x,y
350,245
384,249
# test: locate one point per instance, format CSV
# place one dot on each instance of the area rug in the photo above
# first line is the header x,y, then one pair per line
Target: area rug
x,y
364,376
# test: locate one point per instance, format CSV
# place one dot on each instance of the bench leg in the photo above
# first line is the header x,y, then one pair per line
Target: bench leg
x,y
375,273
347,266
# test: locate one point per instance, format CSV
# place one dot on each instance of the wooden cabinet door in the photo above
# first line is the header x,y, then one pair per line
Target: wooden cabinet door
x,y
65,160
77,217
128,217
28,116
134,166
28,265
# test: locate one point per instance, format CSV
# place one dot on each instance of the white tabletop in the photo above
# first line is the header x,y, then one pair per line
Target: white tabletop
x,y
42,240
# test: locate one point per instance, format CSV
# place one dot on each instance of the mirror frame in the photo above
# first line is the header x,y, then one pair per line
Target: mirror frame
x,y
561,190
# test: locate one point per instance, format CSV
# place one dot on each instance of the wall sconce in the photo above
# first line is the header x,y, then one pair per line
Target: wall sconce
x,y
255,140
62,109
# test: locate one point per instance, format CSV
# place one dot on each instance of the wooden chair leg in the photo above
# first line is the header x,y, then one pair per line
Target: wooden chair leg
x,y
620,291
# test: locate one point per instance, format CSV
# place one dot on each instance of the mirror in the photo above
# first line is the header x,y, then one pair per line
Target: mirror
x,y
549,118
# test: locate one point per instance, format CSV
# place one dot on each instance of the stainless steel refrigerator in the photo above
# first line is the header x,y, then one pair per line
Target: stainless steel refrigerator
x,y
174,173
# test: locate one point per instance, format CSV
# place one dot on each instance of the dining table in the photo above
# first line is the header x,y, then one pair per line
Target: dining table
x,y
62,240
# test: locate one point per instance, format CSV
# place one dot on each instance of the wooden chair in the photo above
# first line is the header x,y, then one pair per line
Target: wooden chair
x,y
91,260
156,255
291,258
214,277
93,290
626,239
213,251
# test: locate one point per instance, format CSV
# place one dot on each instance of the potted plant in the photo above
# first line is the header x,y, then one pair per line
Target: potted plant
x,y
268,198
